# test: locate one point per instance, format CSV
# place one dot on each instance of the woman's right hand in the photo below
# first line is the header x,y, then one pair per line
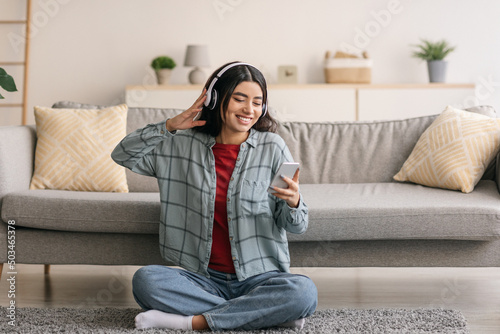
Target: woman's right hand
x,y
185,119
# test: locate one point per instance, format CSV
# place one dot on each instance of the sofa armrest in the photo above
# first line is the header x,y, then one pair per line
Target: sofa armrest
x,y
17,156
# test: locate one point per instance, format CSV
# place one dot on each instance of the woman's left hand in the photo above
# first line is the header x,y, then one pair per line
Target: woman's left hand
x,y
290,195
185,120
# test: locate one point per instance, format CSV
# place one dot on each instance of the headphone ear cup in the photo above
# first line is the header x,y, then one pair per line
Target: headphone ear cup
x,y
207,100
264,110
213,100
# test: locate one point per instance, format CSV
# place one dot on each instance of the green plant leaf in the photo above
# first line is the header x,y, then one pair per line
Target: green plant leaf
x,y
1,97
428,50
7,82
162,62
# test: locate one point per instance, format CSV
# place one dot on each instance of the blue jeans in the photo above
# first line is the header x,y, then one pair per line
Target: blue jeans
x,y
261,301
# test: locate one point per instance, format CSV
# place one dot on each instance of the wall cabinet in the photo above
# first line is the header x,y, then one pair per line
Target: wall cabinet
x,y
326,102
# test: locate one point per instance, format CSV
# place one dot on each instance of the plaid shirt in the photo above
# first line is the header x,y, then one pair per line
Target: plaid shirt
x,y
184,165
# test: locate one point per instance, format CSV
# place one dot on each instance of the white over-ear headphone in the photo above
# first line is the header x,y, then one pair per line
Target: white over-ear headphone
x,y
212,94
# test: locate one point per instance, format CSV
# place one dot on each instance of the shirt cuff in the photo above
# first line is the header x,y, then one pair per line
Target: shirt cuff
x,y
162,127
302,206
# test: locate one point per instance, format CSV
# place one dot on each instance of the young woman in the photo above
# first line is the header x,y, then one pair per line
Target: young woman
x,y
218,221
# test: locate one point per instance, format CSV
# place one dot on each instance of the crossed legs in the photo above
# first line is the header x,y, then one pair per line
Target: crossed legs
x,y
221,301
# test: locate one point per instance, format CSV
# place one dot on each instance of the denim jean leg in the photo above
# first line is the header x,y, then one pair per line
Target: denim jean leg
x,y
174,290
275,298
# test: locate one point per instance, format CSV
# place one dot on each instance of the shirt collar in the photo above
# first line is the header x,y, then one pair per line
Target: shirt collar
x,y
252,139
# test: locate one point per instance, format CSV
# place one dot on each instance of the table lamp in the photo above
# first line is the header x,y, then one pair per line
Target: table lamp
x,y
197,56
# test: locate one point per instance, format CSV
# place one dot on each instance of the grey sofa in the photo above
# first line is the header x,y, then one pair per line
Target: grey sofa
x,y
359,216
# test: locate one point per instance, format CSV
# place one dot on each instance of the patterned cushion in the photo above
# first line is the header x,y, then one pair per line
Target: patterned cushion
x,y
453,152
74,146
136,118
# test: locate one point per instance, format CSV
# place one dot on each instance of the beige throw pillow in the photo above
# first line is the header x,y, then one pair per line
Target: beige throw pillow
x,y
453,152
74,146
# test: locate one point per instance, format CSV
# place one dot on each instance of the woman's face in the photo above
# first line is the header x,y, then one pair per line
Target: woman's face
x,y
243,110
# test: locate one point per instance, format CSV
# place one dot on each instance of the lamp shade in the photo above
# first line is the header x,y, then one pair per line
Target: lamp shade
x,y
197,55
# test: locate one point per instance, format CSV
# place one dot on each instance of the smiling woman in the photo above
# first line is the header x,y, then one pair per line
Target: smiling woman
x,y
218,222
243,111
221,90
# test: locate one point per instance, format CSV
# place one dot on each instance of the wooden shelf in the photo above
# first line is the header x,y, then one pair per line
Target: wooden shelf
x,y
319,86
164,87
325,102
375,86
11,105
416,86
12,63
13,22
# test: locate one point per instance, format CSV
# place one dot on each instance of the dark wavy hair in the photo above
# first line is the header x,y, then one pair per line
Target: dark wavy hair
x,y
225,86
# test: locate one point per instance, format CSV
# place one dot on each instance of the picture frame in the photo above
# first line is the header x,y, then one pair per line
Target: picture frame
x,y
287,74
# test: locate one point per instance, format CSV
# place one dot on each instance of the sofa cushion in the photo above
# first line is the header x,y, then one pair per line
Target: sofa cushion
x,y
74,146
358,152
379,211
454,151
84,211
136,118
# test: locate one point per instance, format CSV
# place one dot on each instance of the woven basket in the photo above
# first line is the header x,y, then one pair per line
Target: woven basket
x,y
348,70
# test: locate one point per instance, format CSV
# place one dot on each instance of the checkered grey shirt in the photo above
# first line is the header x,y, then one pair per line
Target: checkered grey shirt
x,y
184,165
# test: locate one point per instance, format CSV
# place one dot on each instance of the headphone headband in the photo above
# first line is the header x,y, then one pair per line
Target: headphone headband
x,y
211,100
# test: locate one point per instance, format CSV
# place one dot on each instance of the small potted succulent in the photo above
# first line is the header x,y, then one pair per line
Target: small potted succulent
x,y
163,66
434,53
6,82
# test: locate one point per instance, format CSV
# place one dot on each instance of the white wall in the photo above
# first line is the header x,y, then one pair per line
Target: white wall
x,y
89,50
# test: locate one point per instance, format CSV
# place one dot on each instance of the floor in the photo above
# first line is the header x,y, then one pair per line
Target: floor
x,y
474,291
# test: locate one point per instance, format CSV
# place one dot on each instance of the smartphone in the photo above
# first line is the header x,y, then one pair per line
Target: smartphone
x,y
287,169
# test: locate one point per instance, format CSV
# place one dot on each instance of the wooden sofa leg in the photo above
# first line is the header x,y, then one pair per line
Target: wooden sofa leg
x,y
46,269
1,268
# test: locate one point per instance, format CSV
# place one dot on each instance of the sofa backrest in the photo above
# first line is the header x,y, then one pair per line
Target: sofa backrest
x,y
357,152
338,152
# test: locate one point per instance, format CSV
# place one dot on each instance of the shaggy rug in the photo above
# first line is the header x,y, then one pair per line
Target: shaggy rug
x,y
116,320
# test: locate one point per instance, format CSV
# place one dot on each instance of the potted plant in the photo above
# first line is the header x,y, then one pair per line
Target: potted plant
x,y
163,66
434,53
6,82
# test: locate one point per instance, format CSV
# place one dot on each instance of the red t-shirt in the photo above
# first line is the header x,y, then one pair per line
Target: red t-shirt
x,y
225,159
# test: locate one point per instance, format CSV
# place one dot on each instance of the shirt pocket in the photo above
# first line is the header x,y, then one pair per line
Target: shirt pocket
x,y
255,198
